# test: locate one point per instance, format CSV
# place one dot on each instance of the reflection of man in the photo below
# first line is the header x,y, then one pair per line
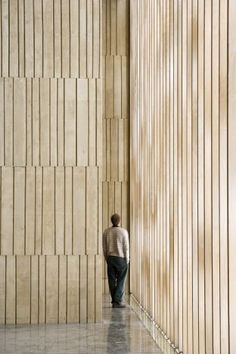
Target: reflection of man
x,y
116,253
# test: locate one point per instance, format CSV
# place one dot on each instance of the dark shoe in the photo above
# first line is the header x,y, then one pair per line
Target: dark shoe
x,y
118,306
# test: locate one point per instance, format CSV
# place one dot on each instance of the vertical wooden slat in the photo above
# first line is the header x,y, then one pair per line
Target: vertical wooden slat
x,y
73,290
74,33
21,39
44,122
109,87
19,210
83,289
122,27
65,28
42,290
82,122
48,211
2,289
62,289
89,38
48,33
57,38
34,291
29,121
99,136
70,122
113,26
13,19
79,210
60,205
38,209
91,288
91,209
2,152
232,174
5,38
23,289
7,211
117,86
52,289
10,290
68,211
8,121
35,122
38,38
28,39
60,122
19,122
83,39
96,38
98,289
54,127
92,123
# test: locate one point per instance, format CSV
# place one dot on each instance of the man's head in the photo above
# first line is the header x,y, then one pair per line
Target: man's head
x,y
115,219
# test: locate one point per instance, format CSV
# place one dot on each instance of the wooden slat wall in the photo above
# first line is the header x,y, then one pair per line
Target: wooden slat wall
x,y
115,113
183,170
50,161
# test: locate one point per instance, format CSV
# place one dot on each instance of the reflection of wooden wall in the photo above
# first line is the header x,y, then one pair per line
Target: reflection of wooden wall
x,y
182,172
50,161
115,66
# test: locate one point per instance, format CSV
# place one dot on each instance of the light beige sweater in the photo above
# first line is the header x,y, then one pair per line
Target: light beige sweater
x,y
116,243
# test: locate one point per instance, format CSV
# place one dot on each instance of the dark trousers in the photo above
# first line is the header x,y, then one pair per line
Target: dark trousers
x,y
117,268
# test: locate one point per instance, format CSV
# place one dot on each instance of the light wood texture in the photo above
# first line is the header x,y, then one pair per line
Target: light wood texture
x,y
47,38
182,169
50,160
115,113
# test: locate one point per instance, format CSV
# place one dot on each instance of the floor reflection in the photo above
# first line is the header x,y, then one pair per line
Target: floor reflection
x,y
118,337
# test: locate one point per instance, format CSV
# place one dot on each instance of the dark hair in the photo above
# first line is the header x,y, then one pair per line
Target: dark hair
x,y
115,219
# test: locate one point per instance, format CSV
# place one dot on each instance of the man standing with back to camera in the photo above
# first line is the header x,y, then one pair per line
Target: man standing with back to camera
x,y
116,253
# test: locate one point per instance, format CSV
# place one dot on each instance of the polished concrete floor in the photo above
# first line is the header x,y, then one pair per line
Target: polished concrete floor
x,y
119,332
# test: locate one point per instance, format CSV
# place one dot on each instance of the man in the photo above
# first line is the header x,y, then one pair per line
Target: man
x,y
116,253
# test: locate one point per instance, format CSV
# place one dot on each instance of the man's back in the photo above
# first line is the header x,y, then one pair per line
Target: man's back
x,y
116,242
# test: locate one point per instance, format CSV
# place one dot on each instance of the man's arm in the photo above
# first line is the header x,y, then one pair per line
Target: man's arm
x,y
126,247
104,245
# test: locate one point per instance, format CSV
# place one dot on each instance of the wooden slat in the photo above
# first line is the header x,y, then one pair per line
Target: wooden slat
x,y
96,38
109,87
53,122
44,122
83,289
98,288
65,38
99,138
83,40
92,123
122,27
232,175
79,210
8,121
29,121
91,288
60,210
10,290
38,30
60,122
28,39
2,150
73,290
2,289
89,38
23,289
48,49
34,291
7,211
68,210
21,39
117,86
13,21
57,38
91,209
74,31
42,290
19,210
125,87
82,122
38,209
5,38
19,122
70,122
62,288
35,122
52,289
113,26
48,211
